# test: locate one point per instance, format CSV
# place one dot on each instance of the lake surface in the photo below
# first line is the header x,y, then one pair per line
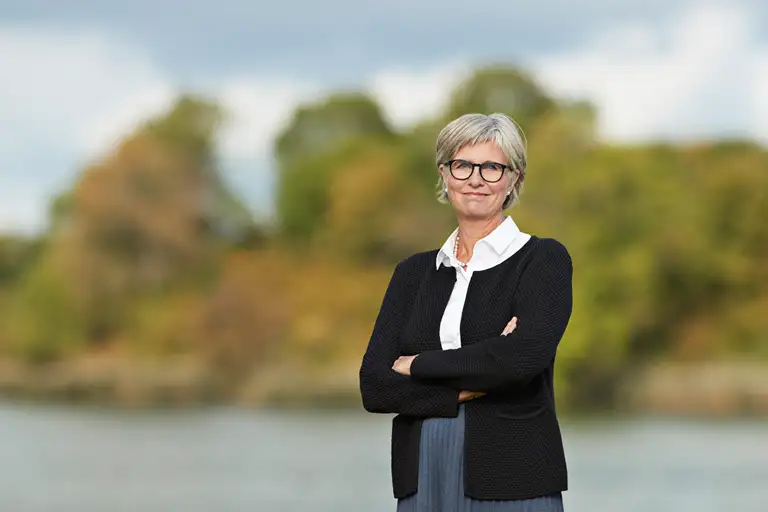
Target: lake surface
x,y
69,459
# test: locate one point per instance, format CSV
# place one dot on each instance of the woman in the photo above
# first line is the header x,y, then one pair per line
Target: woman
x,y
463,348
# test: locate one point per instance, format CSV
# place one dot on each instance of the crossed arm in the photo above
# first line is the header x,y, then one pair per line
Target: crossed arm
x,y
545,302
385,391
433,383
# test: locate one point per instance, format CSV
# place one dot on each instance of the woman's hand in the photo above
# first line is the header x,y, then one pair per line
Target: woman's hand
x,y
510,326
403,364
465,396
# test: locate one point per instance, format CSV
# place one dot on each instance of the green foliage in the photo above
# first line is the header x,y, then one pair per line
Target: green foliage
x,y
190,127
17,255
44,319
375,215
302,195
419,165
320,138
503,89
316,128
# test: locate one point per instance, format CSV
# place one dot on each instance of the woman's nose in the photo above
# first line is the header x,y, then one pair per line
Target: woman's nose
x,y
476,180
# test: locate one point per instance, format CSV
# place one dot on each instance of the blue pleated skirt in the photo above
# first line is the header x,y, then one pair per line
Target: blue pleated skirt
x,y
441,476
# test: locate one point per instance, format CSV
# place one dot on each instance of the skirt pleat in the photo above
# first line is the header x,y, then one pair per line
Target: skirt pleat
x,y
441,476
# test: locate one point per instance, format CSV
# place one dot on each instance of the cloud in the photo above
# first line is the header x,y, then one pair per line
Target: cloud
x,y
759,91
257,109
65,95
694,77
408,96
69,95
75,90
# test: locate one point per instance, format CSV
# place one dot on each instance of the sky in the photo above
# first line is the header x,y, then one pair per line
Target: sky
x,y
75,78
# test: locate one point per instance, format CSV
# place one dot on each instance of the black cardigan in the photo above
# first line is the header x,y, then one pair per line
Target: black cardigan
x,y
513,445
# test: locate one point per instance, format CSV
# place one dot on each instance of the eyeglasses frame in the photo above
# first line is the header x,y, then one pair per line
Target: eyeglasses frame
x,y
479,166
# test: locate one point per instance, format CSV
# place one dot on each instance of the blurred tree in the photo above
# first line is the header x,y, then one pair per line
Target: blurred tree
x,y
418,146
190,128
17,255
500,88
245,314
231,325
44,319
150,250
60,209
321,127
151,215
318,139
375,214
303,193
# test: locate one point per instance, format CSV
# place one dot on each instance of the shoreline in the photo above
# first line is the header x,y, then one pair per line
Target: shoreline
x,y
684,390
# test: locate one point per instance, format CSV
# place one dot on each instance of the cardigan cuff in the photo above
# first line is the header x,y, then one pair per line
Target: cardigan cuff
x,y
423,364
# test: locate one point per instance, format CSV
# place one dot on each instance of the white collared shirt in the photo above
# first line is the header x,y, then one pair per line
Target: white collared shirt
x,y
497,246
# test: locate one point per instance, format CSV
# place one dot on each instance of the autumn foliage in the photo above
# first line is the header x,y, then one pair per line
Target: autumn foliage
x,y
150,255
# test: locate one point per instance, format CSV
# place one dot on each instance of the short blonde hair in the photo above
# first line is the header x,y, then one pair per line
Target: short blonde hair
x,y
471,129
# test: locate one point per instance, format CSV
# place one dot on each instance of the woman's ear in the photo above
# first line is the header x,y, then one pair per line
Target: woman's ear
x,y
441,170
513,181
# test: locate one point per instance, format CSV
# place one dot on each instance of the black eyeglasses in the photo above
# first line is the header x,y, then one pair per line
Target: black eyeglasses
x,y
489,171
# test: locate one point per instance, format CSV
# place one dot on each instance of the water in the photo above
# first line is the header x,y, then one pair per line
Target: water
x,y
64,459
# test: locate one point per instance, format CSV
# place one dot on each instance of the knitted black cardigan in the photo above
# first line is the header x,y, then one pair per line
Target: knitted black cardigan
x,y
513,445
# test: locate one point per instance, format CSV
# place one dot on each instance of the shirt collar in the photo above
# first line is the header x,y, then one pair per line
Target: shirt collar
x,y
445,254
498,239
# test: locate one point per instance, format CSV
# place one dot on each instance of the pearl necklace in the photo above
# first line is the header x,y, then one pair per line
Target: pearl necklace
x,y
456,251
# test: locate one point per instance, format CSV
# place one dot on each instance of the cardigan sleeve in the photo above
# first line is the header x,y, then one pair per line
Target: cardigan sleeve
x,y
544,301
384,390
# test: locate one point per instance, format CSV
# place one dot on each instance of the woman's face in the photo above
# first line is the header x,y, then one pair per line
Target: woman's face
x,y
475,197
